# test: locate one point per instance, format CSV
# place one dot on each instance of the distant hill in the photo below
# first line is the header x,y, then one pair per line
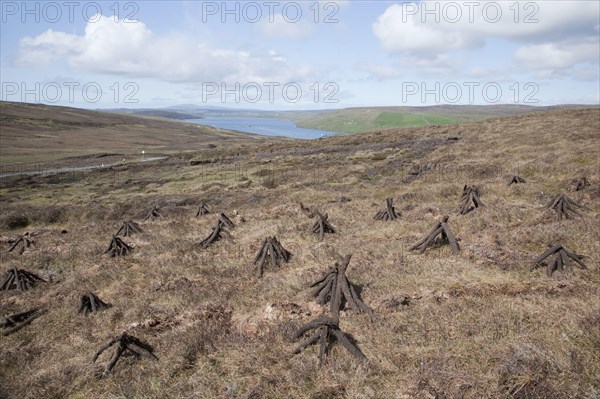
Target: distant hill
x,y
33,132
161,113
357,120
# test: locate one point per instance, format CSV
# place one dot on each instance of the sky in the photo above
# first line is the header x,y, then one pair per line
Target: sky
x,y
293,55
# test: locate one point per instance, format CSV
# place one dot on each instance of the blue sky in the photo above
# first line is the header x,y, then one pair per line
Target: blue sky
x,y
300,54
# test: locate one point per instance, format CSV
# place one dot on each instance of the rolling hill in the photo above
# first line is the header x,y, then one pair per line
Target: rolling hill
x,y
35,132
357,120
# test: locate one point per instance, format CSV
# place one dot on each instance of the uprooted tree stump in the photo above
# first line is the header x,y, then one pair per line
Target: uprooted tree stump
x,y
272,249
154,213
565,207
218,232
15,322
579,184
469,200
516,180
91,303
118,247
335,288
129,228
307,211
443,230
202,210
23,241
562,258
326,328
125,342
389,213
322,225
19,279
225,221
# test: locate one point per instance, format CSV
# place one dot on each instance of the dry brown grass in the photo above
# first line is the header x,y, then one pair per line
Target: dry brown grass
x,y
476,325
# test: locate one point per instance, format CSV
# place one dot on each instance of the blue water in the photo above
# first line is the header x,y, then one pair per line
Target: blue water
x,y
262,126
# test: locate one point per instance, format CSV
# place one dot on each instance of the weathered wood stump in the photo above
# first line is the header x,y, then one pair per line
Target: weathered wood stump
x,y
90,303
125,342
202,210
19,279
24,241
389,213
469,200
307,211
218,232
516,180
579,184
562,258
335,288
154,213
322,225
326,329
118,247
565,207
129,228
225,221
443,230
271,249
15,322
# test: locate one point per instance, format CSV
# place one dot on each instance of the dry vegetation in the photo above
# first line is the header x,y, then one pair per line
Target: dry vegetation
x,y
476,324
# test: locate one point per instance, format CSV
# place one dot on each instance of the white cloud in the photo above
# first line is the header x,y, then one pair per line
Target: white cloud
x,y
398,31
434,26
280,28
553,36
557,55
406,67
133,50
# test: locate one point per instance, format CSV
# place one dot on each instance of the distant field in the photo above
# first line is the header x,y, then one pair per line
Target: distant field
x,y
365,120
394,119
359,120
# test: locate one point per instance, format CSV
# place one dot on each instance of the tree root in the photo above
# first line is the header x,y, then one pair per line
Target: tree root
x,y
118,247
124,342
389,213
272,249
321,225
516,180
326,329
218,232
154,213
307,211
129,228
442,229
15,322
562,259
91,303
335,288
469,200
19,279
225,221
565,207
23,241
202,210
579,184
